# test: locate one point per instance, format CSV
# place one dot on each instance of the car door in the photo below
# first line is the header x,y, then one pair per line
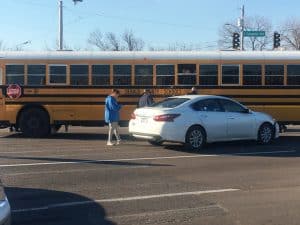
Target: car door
x,y
240,121
212,118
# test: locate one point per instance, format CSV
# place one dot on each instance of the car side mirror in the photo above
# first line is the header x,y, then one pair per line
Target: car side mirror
x,y
246,111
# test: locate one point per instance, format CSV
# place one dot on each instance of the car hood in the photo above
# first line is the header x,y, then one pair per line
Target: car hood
x,y
265,116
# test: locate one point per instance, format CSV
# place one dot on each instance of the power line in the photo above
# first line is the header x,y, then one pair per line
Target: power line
x,y
139,20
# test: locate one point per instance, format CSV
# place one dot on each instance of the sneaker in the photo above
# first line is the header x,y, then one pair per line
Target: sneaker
x,y
118,142
110,144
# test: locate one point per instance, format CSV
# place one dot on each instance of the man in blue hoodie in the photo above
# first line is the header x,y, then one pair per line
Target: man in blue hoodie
x,y
112,117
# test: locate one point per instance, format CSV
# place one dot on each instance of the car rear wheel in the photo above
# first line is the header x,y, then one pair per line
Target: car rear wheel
x,y
34,122
195,138
265,134
156,143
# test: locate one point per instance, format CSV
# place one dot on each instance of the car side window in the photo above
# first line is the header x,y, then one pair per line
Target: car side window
x,y
230,106
208,105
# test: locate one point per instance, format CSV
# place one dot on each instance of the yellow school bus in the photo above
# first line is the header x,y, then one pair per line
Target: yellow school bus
x,y
44,90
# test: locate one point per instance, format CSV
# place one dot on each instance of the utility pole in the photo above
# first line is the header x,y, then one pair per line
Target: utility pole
x,y
60,26
241,25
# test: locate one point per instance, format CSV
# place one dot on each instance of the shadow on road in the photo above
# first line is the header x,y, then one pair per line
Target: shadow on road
x,y
86,213
72,136
285,146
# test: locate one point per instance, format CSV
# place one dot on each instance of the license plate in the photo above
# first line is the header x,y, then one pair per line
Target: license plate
x,y
144,121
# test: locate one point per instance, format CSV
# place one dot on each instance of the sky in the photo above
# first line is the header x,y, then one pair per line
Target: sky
x,y
157,22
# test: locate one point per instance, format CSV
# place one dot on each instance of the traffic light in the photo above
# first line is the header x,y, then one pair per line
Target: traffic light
x,y
276,40
236,42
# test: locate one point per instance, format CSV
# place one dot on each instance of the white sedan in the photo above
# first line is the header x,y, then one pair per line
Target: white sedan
x,y
198,119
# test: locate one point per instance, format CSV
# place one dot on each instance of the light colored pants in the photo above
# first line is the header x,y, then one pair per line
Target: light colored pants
x,y
113,129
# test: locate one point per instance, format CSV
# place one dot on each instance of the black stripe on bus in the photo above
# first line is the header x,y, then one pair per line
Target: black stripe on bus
x,y
64,103
155,96
199,87
135,103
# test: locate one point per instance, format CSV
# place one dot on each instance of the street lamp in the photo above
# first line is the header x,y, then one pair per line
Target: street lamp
x,y
18,46
75,1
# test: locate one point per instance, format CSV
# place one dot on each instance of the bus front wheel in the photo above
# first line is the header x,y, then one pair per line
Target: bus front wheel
x,y
34,122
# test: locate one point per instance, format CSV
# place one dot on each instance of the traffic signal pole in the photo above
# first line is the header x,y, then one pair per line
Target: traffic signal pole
x,y
242,27
60,26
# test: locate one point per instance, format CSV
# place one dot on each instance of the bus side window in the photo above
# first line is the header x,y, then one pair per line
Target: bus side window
x,y
122,74
100,74
293,74
252,75
274,74
186,74
36,74
58,74
143,75
165,75
209,75
79,74
15,74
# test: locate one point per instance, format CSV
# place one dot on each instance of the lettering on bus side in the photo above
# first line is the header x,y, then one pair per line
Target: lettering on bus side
x,y
133,92
165,92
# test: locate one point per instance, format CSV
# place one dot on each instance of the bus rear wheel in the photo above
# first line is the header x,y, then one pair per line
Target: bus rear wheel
x,y
34,123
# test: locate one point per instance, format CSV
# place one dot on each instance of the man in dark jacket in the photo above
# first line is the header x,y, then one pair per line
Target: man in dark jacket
x,y
146,99
112,117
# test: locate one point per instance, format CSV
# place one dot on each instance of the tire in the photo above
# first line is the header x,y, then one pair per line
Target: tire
x,y
195,138
265,134
156,143
34,122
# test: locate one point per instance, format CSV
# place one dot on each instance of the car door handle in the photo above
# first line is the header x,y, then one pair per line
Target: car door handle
x,y
231,118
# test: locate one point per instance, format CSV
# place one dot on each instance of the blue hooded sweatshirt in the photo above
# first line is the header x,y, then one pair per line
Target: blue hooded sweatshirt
x,y
112,109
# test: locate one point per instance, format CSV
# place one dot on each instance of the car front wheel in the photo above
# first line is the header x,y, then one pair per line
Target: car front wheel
x,y
195,138
265,134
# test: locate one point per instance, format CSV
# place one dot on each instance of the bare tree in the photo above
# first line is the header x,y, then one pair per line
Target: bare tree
x,y
257,23
96,38
177,46
2,46
132,42
113,42
290,34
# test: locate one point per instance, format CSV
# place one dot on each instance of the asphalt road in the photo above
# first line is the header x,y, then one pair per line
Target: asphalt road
x,y
74,179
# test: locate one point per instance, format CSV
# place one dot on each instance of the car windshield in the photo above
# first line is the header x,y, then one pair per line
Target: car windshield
x,y
170,103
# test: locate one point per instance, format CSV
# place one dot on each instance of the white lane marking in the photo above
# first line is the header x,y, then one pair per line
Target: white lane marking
x,y
262,153
102,160
78,161
67,171
134,198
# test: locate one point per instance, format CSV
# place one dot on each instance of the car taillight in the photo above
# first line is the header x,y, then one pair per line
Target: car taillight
x,y
165,117
133,116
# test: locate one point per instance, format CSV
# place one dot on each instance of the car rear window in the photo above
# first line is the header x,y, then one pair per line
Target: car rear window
x,y
170,103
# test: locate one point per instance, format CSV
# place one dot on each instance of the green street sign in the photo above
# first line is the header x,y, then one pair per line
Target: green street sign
x,y
254,33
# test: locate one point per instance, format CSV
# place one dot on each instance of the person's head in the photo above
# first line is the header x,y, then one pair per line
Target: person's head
x,y
193,89
115,93
146,91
